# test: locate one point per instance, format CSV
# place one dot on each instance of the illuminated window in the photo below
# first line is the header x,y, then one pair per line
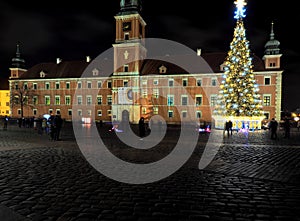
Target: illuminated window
x,y
47,100
213,100
144,110
57,100
267,100
109,99
68,100
155,110
155,93
108,112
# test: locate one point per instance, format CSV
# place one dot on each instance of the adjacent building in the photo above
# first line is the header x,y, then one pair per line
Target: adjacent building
x,y
137,86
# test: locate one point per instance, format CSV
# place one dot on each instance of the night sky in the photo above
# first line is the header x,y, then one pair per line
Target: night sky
x,y
73,30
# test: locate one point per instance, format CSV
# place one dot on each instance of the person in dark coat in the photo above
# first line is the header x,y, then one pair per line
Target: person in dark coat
x,y
142,128
287,127
273,128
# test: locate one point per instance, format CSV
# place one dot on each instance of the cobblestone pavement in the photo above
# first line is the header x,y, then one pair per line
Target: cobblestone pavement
x,y
251,178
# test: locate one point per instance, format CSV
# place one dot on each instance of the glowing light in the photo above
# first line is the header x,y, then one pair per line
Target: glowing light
x,y
240,11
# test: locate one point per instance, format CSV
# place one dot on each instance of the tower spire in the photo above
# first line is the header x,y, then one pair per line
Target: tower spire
x,y
272,46
17,61
130,7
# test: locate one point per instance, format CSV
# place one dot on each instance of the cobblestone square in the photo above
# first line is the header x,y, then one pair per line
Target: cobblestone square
x,y
251,178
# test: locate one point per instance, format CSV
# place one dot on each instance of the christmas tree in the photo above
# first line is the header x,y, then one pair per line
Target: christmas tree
x,y
238,89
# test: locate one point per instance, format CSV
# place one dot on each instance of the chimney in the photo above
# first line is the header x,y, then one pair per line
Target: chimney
x,y
199,52
58,60
88,59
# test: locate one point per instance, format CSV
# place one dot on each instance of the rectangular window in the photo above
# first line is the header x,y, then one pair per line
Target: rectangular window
x,y
68,100
34,86
16,86
19,111
213,100
99,84
184,100
47,100
125,83
7,104
109,113
79,112
184,82
184,114
155,82
67,85
79,85
47,85
89,112
79,99
267,80
155,93
89,85
198,100
109,84
25,86
89,100
109,99
34,111
199,82
198,114
144,93
57,111
35,100
155,110
267,100
99,113
170,101
171,82
170,114
70,112
57,100
213,82
126,68
144,110
57,85
99,100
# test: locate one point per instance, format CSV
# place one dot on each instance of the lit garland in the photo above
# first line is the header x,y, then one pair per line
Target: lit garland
x,y
238,89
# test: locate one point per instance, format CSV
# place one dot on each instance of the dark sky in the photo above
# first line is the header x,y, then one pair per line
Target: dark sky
x,y
73,30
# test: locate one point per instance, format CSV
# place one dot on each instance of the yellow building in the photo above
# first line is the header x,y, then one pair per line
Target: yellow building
x,y
4,103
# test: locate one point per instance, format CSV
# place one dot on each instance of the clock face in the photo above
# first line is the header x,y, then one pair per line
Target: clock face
x,y
129,94
126,26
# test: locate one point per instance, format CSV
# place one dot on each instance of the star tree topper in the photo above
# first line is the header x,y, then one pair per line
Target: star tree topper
x,y
240,10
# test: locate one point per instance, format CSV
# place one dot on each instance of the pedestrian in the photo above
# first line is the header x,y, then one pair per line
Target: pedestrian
x,y
230,126
44,126
226,128
287,127
298,125
5,122
142,129
273,125
57,125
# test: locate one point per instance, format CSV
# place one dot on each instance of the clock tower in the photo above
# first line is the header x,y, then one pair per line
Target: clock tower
x,y
129,52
